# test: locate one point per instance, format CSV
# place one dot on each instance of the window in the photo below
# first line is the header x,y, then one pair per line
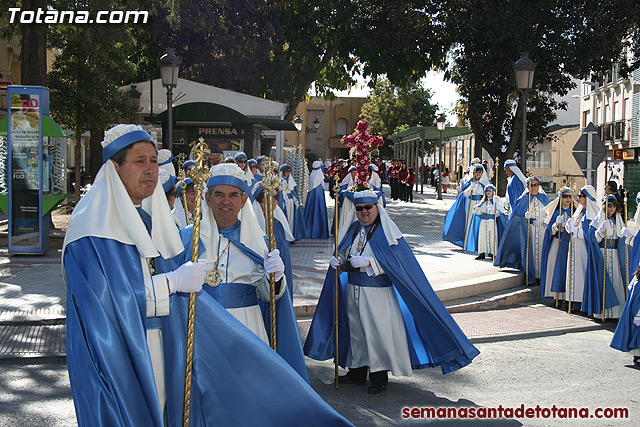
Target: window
x,y
341,127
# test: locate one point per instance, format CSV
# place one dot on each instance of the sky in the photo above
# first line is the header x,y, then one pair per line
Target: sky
x,y
443,93
445,96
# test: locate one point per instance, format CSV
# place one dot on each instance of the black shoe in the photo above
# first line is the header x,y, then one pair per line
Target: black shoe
x,y
636,360
357,376
376,388
481,256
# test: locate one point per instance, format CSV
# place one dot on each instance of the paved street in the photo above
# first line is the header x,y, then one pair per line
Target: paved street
x,y
531,354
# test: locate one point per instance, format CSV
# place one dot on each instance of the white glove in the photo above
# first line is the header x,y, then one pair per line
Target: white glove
x,y
625,232
335,262
560,220
538,222
604,227
359,262
273,264
188,277
636,320
296,203
570,226
529,215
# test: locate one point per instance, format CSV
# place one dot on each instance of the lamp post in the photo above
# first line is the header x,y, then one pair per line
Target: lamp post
x,y
524,68
298,124
440,123
169,68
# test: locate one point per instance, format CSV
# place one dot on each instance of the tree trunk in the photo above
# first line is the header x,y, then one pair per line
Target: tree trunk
x,y
77,165
33,57
95,151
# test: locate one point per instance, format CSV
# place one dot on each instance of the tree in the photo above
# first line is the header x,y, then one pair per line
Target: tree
x,y
92,64
277,49
566,38
391,109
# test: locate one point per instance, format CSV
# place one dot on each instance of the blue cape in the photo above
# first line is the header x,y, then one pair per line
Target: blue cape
x,y
434,337
474,230
512,250
110,369
592,297
514,190
289,345
559,281
455,221
315,214
299,230
627,334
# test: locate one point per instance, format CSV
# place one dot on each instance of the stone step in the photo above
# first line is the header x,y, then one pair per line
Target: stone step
x,y
493,300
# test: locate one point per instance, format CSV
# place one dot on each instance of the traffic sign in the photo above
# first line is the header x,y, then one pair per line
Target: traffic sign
x,y
589,151
4,86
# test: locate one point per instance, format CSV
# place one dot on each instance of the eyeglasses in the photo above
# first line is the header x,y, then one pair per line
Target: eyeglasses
x,y
535,185
566,196
367,207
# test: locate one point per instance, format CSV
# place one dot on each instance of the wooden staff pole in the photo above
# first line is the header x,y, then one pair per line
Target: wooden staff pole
x,y
336,196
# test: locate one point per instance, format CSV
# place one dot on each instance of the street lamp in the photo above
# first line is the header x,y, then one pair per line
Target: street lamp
x,y
524,68
134,95
297,122
169,68
440,123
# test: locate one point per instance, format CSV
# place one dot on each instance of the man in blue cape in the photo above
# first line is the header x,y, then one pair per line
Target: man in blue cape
x,y
389,316
290,203
239,264
315,208
126,315
528,212
515,182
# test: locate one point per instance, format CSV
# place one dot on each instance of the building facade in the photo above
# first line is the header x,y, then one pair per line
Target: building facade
x,y
335,118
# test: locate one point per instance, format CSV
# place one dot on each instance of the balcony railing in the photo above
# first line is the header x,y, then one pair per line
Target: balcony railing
x,y
613,131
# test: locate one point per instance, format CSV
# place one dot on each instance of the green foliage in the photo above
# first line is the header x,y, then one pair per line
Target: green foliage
x,y
567,39
94,61
391,109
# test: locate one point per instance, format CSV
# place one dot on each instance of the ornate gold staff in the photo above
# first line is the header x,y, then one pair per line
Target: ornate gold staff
x,y
268,184
181,158
559,237
336,196
571,262
495,212
199,175
626,244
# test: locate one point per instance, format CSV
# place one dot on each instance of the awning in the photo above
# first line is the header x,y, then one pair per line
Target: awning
x,y
49,127
211,114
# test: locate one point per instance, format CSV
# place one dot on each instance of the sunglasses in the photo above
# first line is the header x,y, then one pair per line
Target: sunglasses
x,y
367,207
241,161
566,196
580,196
611,206
535,185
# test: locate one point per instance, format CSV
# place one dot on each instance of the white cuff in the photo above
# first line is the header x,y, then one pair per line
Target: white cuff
x,y
373,269
263,288
157,295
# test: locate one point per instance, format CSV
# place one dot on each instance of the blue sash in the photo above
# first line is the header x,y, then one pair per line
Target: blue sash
x,y
486,216
360,278
235,295
476,197
611,243
152,323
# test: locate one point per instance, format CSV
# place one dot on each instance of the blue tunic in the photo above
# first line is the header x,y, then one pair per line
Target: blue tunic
x,y
514,190
559,281
627,334
434,337
513,244
455,222
315,214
